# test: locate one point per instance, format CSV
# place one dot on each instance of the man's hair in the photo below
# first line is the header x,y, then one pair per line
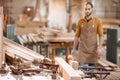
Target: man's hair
x,y
89,3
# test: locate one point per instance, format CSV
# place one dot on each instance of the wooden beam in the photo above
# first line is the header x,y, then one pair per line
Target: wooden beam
x,y
37,7
111,21
68,73
1,35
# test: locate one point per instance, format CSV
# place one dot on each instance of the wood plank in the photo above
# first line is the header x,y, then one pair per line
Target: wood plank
x,y
21,40
25,38
110,63
1,36
68,72
106,66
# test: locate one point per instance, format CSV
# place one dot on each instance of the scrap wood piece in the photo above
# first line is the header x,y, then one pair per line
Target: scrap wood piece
x,y
10,59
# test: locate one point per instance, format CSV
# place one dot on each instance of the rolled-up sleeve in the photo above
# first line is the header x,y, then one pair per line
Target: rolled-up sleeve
x,y
100,28
78,29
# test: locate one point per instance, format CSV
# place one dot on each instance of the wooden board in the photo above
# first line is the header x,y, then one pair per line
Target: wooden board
x,y
1,35
68,72
107,64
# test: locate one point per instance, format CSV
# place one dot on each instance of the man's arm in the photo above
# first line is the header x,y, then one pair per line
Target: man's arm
x,y
77,34
100,33
74,45
100,41
75,42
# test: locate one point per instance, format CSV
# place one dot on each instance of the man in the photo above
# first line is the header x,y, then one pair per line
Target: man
x,y
86,34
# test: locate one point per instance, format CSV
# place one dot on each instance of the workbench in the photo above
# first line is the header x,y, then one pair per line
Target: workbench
x,y
49,38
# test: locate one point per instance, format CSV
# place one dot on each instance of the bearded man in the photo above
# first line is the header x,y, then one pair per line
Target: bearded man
x,y
87,30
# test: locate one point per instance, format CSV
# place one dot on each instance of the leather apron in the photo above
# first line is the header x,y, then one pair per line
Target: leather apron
x,y
88,44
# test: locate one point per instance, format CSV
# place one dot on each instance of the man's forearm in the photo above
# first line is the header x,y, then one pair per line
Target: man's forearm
x,y
100,41
75,43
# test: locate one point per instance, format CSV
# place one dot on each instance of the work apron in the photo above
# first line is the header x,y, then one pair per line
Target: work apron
x,y
87,44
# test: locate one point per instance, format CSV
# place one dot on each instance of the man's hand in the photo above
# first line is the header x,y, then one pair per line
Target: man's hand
x,y
73,52
99,51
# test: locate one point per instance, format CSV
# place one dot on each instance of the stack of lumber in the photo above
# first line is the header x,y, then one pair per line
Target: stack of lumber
x,y
46,35
30,38
11,48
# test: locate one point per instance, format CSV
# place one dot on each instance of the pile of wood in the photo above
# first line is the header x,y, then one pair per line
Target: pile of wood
x,y
11,48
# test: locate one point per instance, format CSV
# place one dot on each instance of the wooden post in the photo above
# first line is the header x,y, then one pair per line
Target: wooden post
x,y
69,15
1,35
67,53
37,7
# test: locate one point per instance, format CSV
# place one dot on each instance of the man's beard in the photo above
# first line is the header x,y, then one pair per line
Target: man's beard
x,y
87,15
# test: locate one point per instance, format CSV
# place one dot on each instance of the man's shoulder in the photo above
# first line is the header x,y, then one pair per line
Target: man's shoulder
x,y
80,20
97,18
